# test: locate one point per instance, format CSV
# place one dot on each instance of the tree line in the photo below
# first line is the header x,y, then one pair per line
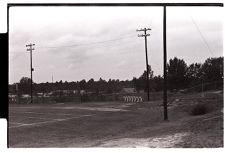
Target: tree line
x,y
180,76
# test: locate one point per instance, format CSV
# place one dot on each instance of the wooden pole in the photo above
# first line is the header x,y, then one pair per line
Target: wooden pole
x,y
164,66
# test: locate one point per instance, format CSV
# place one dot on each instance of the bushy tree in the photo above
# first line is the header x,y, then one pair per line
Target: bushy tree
x,y
156,83
212,69
142,81
179,76
194,74
24,85
177,69
82,84
91,85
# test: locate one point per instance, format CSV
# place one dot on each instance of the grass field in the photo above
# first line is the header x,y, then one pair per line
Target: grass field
x,y
118,124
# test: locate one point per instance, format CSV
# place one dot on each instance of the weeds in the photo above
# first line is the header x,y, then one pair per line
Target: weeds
x,y
199,109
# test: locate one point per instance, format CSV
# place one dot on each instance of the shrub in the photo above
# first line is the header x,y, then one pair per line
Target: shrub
x,y
199,109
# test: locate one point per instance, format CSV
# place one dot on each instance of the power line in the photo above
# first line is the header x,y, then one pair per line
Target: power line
x,y
120,44
103,46
85,44
203,38
16,56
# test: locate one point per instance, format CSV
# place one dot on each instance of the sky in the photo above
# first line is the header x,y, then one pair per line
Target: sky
x,y
75,43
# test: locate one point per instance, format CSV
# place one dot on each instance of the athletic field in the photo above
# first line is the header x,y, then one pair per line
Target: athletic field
x,y
114,124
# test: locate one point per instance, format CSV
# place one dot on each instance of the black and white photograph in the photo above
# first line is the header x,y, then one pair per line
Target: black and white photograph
x,y
115,76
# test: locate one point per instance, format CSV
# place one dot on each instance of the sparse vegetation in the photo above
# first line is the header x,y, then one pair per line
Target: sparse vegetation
x,y
119,124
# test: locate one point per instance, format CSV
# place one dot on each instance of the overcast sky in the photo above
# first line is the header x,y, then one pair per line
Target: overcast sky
x,y
75,43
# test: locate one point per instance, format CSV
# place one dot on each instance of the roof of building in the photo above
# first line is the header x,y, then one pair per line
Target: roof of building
x,y
128,90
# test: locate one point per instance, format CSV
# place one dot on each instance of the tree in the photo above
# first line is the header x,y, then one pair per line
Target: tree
x,y
156,83
177,69
24,85
101,85
150,73
91,85
142,79
25,80
82,84
136,84
110,86
213,69
194,74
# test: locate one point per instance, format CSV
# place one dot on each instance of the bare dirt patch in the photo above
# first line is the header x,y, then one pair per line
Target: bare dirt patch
x,y
165,141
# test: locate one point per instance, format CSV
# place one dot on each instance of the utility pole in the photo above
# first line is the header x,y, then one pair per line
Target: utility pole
x,y
17,93
146,53
164,65
30,49
202,89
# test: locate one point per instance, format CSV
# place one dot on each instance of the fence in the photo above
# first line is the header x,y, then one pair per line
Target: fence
x,y
134,97
205,86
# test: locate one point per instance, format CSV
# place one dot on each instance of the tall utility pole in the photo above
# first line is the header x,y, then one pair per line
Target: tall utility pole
x,y
30,49
164,65
17,93
146,54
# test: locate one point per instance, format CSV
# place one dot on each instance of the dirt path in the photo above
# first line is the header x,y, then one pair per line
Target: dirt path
x,y
166,141
183,133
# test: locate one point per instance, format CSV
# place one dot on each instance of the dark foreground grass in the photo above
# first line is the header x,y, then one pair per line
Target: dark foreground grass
x,y
93,124
81,127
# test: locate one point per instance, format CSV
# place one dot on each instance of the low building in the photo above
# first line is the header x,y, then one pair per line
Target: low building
x,y
12,96
82,92
128,90
25,96
141,91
